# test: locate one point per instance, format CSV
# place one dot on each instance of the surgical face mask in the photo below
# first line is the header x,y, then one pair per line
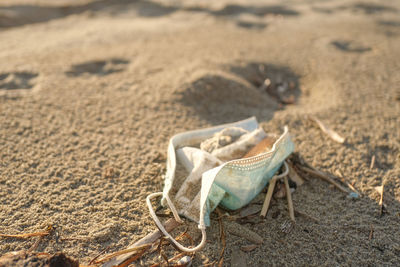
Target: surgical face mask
x,y
198,180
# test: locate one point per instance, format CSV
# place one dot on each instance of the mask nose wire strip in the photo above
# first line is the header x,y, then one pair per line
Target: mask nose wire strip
x,y
178,219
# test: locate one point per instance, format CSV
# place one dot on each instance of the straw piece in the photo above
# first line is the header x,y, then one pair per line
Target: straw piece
x,y
149,239
267,201
331,133
372,162
135,250
371,233
289,199
23,236
323,176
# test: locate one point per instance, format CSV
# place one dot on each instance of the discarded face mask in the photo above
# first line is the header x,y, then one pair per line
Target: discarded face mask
x,y
221,173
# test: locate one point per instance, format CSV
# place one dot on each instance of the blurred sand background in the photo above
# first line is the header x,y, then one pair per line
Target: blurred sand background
x,y
91,92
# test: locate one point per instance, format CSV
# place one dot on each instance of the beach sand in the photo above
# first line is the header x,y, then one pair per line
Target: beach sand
x,y
91,92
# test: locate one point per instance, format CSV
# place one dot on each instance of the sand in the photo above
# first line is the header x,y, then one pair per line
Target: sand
x,y
91,92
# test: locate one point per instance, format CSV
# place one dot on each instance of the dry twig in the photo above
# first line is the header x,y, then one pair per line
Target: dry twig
x,y
48,230
268,197
323,176
289,199
371,233
149,239
372,162
331,133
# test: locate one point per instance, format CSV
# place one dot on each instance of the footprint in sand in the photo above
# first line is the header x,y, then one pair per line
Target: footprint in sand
x,y
98,67
240,91
17,81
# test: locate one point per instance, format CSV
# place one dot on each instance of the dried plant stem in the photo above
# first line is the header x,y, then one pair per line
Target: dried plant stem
x,y
289,199
323,176
124,251
149,239
268,197
372,162
23,236
331,133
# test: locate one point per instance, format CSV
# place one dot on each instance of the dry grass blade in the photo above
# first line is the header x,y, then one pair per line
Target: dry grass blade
x,y
98,255
372,162
170,224
323,176
24,236
371,233
340,176
268,197
137,250
331,133
289,199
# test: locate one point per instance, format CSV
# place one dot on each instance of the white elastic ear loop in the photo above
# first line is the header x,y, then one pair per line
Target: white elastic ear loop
x,y
178,219
285,173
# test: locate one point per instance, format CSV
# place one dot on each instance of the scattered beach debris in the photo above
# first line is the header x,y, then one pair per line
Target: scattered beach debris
x,y
352,195
129,257
323,176
282,91
287,193
289,199
268,197
244,232
137,252
372,162
331,133
380,190
185,261
48,230
371,233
